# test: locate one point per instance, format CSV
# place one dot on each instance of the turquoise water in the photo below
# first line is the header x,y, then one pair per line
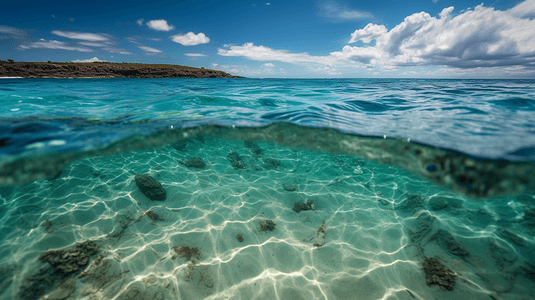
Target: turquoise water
x,y
398,171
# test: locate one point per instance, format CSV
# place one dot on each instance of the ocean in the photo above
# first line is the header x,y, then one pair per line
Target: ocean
x,y
267,189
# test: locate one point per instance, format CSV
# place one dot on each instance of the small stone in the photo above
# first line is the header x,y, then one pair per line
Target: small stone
x,y
194,162
271,164
150,280
236,161
308,205
150,187
239,237
289,187
320,235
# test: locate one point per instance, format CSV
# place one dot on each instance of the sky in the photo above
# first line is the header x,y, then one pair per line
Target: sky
x,y
282,39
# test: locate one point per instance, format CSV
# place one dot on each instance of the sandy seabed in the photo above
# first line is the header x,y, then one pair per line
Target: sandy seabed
x,y
209,239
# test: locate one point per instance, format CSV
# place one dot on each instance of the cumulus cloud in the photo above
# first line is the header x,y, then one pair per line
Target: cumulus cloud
x,y
268,65
190,39
368,33
194,54
94,59
479,37
149,50
56,45
262,53
337,12
140,22
159,25
92,37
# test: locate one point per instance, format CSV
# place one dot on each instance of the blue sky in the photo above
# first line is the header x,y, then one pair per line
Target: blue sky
x,y
319,39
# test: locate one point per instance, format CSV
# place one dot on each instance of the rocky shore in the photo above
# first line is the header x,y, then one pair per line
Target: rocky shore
x,y
103,70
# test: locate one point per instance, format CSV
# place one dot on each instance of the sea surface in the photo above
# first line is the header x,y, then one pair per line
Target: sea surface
x,y
267,189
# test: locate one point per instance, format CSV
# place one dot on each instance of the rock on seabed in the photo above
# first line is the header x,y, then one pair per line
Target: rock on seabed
x,y
150,187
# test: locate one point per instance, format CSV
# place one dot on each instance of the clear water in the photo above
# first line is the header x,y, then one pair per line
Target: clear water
x,y
400,171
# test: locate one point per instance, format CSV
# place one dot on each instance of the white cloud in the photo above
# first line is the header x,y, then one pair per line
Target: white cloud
x,y
56,45
87,60
194,54
268,65
262,53
149,50
12,30
480,37
335,11
94,44
190,39
159,25
247,71
368,33
92,37
140,21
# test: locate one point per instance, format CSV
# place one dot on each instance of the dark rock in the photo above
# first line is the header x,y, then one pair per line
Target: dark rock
x,y
180,145
271,164
254,147
194,162
308,205
70,260
289,187
438,274
236,161
267,225
239,237
448,242
150,187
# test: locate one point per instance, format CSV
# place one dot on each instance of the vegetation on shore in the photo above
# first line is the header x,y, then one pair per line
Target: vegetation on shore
x,y
102,69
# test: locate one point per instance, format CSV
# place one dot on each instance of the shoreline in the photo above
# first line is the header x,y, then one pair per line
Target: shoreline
x,y
104,70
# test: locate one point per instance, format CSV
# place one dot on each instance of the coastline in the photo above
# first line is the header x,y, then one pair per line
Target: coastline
x,y
104,70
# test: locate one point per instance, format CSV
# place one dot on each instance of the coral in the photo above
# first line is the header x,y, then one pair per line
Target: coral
x,y
438,274
308,205
187,252
267,225
70,260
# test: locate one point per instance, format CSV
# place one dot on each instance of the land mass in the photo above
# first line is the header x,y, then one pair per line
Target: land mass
x,y
104,70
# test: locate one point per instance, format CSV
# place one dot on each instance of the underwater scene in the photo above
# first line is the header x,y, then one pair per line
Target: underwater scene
x,y
267,189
